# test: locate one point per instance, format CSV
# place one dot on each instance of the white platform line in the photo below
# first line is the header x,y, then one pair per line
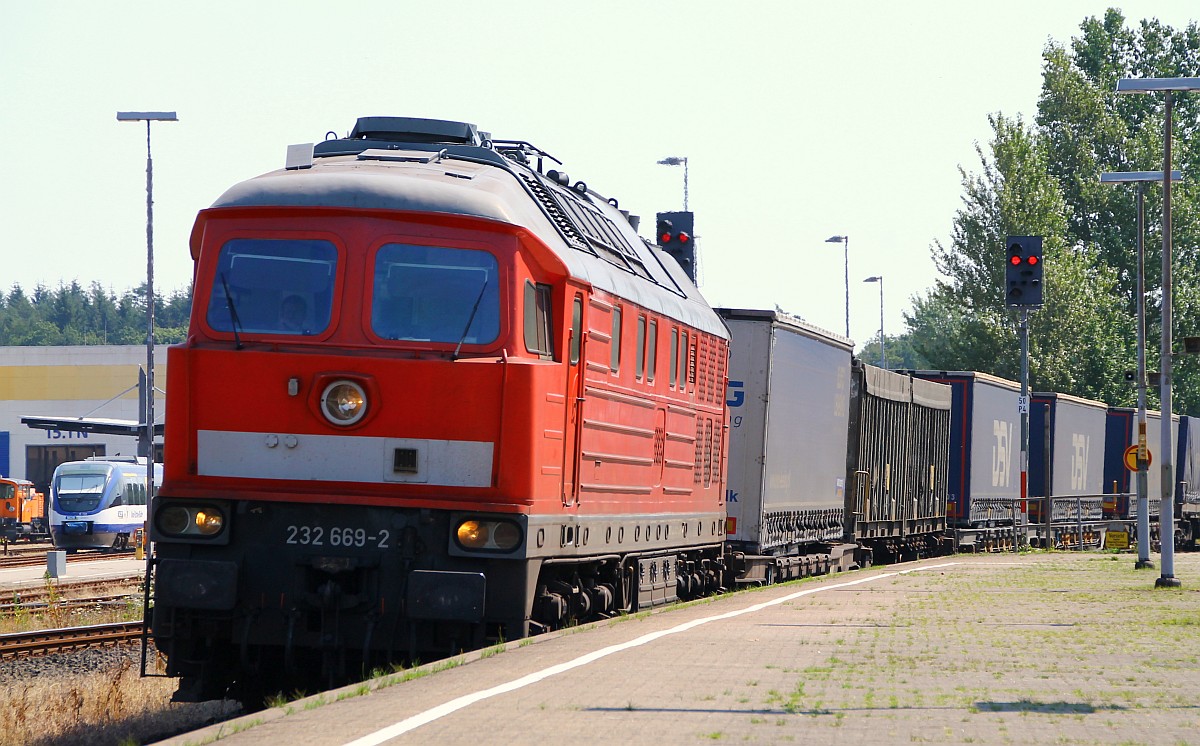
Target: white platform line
x,y
416,721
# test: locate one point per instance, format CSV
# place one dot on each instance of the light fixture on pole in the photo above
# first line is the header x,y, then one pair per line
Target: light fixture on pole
x,y
672,160
148,117
1167,577
845,242
1141,178
882,348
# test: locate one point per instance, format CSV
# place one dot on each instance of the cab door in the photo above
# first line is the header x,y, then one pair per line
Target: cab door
x,y
576,355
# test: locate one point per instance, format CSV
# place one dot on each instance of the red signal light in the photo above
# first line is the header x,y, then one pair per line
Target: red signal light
x,y
666,238
683,237
1032,260
1014,260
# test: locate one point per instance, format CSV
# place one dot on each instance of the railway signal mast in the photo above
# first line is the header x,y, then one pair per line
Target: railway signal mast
x,y
1023,291
675,235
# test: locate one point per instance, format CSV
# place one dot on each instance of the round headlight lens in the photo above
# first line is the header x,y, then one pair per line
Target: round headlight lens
x,y
472,534
506,535
209,522
344,402
173,520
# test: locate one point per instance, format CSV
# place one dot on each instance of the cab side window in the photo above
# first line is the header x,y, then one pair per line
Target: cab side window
x,y
538,340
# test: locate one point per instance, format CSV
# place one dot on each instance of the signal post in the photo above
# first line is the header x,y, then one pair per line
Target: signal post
x,y
1023,291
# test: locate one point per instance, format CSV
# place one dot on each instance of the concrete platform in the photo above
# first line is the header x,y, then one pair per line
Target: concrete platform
x,y
18,578
1060,648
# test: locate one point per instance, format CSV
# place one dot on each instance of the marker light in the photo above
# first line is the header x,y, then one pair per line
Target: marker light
x,y
472,534
344,402
209,522
178,521
495,536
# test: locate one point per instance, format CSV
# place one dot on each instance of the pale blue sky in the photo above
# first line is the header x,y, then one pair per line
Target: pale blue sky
x,y
800,120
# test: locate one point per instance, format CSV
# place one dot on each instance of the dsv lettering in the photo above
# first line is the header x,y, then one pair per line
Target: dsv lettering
x,y
1002,453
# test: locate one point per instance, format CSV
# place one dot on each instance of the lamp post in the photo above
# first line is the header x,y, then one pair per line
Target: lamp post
x,y
1167,577
882,348
1141,178
148,117
845,242
679,161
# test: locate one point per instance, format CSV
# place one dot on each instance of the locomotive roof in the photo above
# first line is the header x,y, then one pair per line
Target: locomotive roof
x,y
422,165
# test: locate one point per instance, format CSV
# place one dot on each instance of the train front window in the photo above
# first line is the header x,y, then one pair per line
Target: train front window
x,y
273,286
434,294
79,492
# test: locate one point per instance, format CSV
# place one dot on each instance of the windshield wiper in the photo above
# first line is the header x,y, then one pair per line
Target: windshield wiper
x,y
470,319
233,314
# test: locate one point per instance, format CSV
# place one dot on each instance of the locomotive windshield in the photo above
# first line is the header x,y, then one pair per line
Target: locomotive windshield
x,y
79,492
273,286
433,294
7,491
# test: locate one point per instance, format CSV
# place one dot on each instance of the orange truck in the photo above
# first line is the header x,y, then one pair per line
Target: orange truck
x,y
22,511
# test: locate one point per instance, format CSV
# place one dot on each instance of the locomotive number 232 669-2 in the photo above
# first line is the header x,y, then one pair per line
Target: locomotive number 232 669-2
x,y
337,536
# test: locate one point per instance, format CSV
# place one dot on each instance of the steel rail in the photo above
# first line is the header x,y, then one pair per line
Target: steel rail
x,y
43,642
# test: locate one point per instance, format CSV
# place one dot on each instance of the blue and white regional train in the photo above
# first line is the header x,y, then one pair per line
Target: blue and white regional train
x,y
98,504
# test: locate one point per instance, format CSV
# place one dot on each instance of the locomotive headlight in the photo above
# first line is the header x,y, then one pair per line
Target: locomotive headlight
x,y
472,534
488,536
173,520
209,522
184,521
344,402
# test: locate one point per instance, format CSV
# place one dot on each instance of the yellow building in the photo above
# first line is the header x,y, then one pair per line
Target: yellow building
x,y
95,381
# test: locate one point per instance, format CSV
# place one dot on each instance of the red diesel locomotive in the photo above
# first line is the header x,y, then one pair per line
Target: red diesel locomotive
x,y
431,395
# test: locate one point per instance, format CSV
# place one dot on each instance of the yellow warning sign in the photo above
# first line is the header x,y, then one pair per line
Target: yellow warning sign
x,y
1116,539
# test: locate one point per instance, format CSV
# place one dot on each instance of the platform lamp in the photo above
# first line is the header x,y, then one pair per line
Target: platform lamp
x,y
148,117
1141,178
845,242
1167,86
882,348
672,160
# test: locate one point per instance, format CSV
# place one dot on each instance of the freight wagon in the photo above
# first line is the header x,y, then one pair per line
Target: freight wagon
x,y
786,490
1121,432
984,473
1066,450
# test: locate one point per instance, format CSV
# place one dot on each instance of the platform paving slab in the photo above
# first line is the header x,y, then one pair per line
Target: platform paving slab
x,y
1058,648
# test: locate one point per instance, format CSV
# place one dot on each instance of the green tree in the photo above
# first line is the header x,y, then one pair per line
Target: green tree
x,y
1045,180
68,315
962,323
900,353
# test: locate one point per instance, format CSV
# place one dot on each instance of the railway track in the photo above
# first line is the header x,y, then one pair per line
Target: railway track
x,y
28,597
43,605
39,558
44,642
